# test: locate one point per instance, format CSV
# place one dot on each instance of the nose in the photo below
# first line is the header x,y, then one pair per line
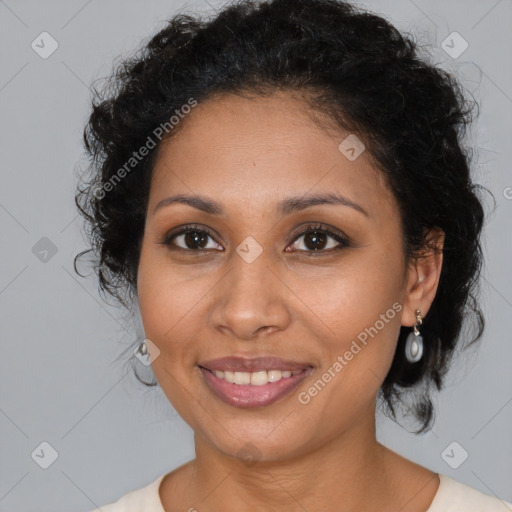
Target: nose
x,y
250,300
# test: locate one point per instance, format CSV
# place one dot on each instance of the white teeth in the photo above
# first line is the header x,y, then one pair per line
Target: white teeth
x,y
258,378
229,376
242,378
274,375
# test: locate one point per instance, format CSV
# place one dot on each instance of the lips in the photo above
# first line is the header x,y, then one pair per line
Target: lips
x,y
239,381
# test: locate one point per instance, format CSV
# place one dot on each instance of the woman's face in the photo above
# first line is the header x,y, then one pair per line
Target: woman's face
x,y
250,285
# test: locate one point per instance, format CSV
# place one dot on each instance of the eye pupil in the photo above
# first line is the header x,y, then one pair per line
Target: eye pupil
x,y
195,239
317,239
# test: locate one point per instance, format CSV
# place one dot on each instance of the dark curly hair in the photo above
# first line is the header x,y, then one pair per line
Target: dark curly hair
x,y
352,66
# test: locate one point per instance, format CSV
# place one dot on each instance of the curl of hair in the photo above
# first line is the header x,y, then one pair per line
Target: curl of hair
x,y
367,78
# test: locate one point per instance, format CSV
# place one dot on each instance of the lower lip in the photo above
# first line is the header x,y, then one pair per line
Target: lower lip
x,y
247,396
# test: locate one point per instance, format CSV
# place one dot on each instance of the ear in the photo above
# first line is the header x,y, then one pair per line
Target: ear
x,y
423,276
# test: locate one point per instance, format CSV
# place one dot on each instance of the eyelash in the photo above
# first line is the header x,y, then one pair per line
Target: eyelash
x,y
317,228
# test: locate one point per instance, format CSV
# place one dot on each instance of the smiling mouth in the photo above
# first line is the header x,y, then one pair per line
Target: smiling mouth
x,y
253,389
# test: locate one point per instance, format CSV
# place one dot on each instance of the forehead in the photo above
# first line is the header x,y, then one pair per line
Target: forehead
x,y
257,149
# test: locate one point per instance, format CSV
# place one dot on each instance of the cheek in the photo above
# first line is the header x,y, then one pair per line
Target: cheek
x,y
347,298
167,297
166,305
356,313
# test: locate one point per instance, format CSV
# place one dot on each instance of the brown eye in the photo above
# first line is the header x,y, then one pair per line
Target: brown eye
x,y
190,239
195,240
315,240
318,239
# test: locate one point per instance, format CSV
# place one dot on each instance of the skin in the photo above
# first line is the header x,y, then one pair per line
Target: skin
x,y
248,154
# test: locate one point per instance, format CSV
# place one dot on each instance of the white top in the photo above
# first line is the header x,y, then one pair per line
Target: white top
x,y
451,496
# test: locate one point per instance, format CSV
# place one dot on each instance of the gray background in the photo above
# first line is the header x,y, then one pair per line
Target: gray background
x,y
60,381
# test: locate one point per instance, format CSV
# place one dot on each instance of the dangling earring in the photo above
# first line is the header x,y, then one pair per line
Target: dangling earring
x,y
414,343
141,353
146,352
143,347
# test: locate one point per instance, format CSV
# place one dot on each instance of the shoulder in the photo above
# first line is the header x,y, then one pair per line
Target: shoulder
x,y
454,496
146,498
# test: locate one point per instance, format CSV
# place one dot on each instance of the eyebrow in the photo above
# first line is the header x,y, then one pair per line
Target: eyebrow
x,y
284,207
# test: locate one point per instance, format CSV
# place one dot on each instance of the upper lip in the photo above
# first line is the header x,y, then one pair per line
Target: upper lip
x,y
253,364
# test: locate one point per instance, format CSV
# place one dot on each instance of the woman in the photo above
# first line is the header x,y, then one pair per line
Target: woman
x,y
283,191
